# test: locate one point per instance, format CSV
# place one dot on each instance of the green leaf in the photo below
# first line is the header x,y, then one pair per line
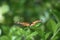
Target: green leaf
x,y
32,35
5,38
5,29
47,35
15,30
52,25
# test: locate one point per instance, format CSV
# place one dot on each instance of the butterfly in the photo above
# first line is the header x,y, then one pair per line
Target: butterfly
x,y
28,24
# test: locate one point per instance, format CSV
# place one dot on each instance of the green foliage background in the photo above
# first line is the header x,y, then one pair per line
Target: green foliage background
x,y
12,11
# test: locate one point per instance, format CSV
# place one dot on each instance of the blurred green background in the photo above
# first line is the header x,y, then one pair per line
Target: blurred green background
x,y
14,11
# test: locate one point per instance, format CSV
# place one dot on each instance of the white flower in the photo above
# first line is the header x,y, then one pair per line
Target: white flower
x,y
5,8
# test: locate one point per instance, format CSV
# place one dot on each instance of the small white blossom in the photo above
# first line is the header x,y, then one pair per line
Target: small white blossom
x,y
5,8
